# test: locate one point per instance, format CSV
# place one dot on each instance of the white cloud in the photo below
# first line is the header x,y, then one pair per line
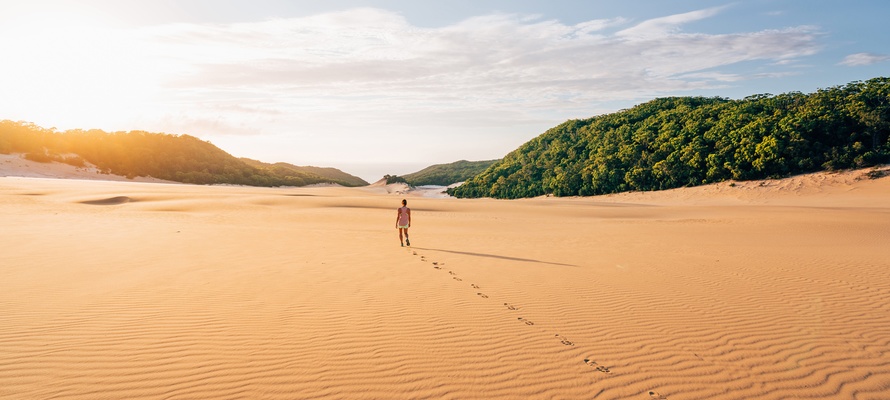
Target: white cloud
x,y
342,60
860,59
658,27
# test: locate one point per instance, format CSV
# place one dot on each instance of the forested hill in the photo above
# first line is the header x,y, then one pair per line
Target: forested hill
x,y
446,174
687,141
180,158
332,175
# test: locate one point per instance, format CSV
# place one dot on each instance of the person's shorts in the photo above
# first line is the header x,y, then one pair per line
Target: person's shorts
x,y
403,226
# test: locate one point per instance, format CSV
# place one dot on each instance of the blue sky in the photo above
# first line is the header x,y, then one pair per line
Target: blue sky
x,y
376,87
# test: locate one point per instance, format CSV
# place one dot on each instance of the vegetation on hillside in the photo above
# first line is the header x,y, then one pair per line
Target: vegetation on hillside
x,y
390,179
447,174
180,158
687,141
331,175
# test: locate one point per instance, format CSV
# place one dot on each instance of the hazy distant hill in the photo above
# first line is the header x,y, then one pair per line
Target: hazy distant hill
x,y
180,158
332,175
686,141
444,174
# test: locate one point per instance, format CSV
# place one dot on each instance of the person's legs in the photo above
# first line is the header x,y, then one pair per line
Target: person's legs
x,y
400,236
407,241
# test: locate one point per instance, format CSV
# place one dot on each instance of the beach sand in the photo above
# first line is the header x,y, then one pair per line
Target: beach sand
x,y
127,290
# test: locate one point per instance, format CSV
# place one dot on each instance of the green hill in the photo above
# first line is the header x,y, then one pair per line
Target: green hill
x,y
331,175
446,174
180,158
687,141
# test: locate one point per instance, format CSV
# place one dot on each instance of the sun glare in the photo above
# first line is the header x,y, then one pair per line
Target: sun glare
x,y
68,70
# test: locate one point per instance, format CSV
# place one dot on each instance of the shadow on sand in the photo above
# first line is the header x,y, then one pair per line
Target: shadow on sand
x,y
496,256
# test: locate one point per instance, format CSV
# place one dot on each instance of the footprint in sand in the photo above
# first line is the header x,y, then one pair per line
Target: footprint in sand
x,y
483,295
436,266
457,279
414,252
527,322
511,307
656,396
435,263
563,340
598,367
475,286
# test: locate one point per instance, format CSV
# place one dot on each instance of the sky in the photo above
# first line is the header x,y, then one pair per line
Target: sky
x,y
376,87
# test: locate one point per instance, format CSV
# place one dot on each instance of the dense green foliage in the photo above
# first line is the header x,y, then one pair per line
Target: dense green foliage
x,y
686,141
446,174
180,158
390,179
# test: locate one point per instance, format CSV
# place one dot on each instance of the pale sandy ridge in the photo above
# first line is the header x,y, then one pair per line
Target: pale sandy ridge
x,y
15,165
137,290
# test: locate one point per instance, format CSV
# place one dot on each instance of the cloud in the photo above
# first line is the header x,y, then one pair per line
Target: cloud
x,y
343,59
860,59
663,26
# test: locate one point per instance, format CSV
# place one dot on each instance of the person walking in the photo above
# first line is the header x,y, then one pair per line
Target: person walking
x,y
403,222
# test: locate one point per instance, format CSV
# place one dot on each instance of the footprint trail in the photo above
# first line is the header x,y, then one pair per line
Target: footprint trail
x,y
562,339
598,367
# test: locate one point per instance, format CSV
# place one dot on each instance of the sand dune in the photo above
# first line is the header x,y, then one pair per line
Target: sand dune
x,y
15,165
773,290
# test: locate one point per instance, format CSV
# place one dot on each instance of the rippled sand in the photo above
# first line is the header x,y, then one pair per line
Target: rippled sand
x,y
768,290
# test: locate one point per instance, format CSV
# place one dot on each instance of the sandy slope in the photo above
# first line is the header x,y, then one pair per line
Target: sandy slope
x,y
139,290
17,166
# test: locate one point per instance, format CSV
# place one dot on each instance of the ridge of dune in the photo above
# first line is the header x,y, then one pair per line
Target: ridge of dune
x,y
804,187
381,187
144,290
14,165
